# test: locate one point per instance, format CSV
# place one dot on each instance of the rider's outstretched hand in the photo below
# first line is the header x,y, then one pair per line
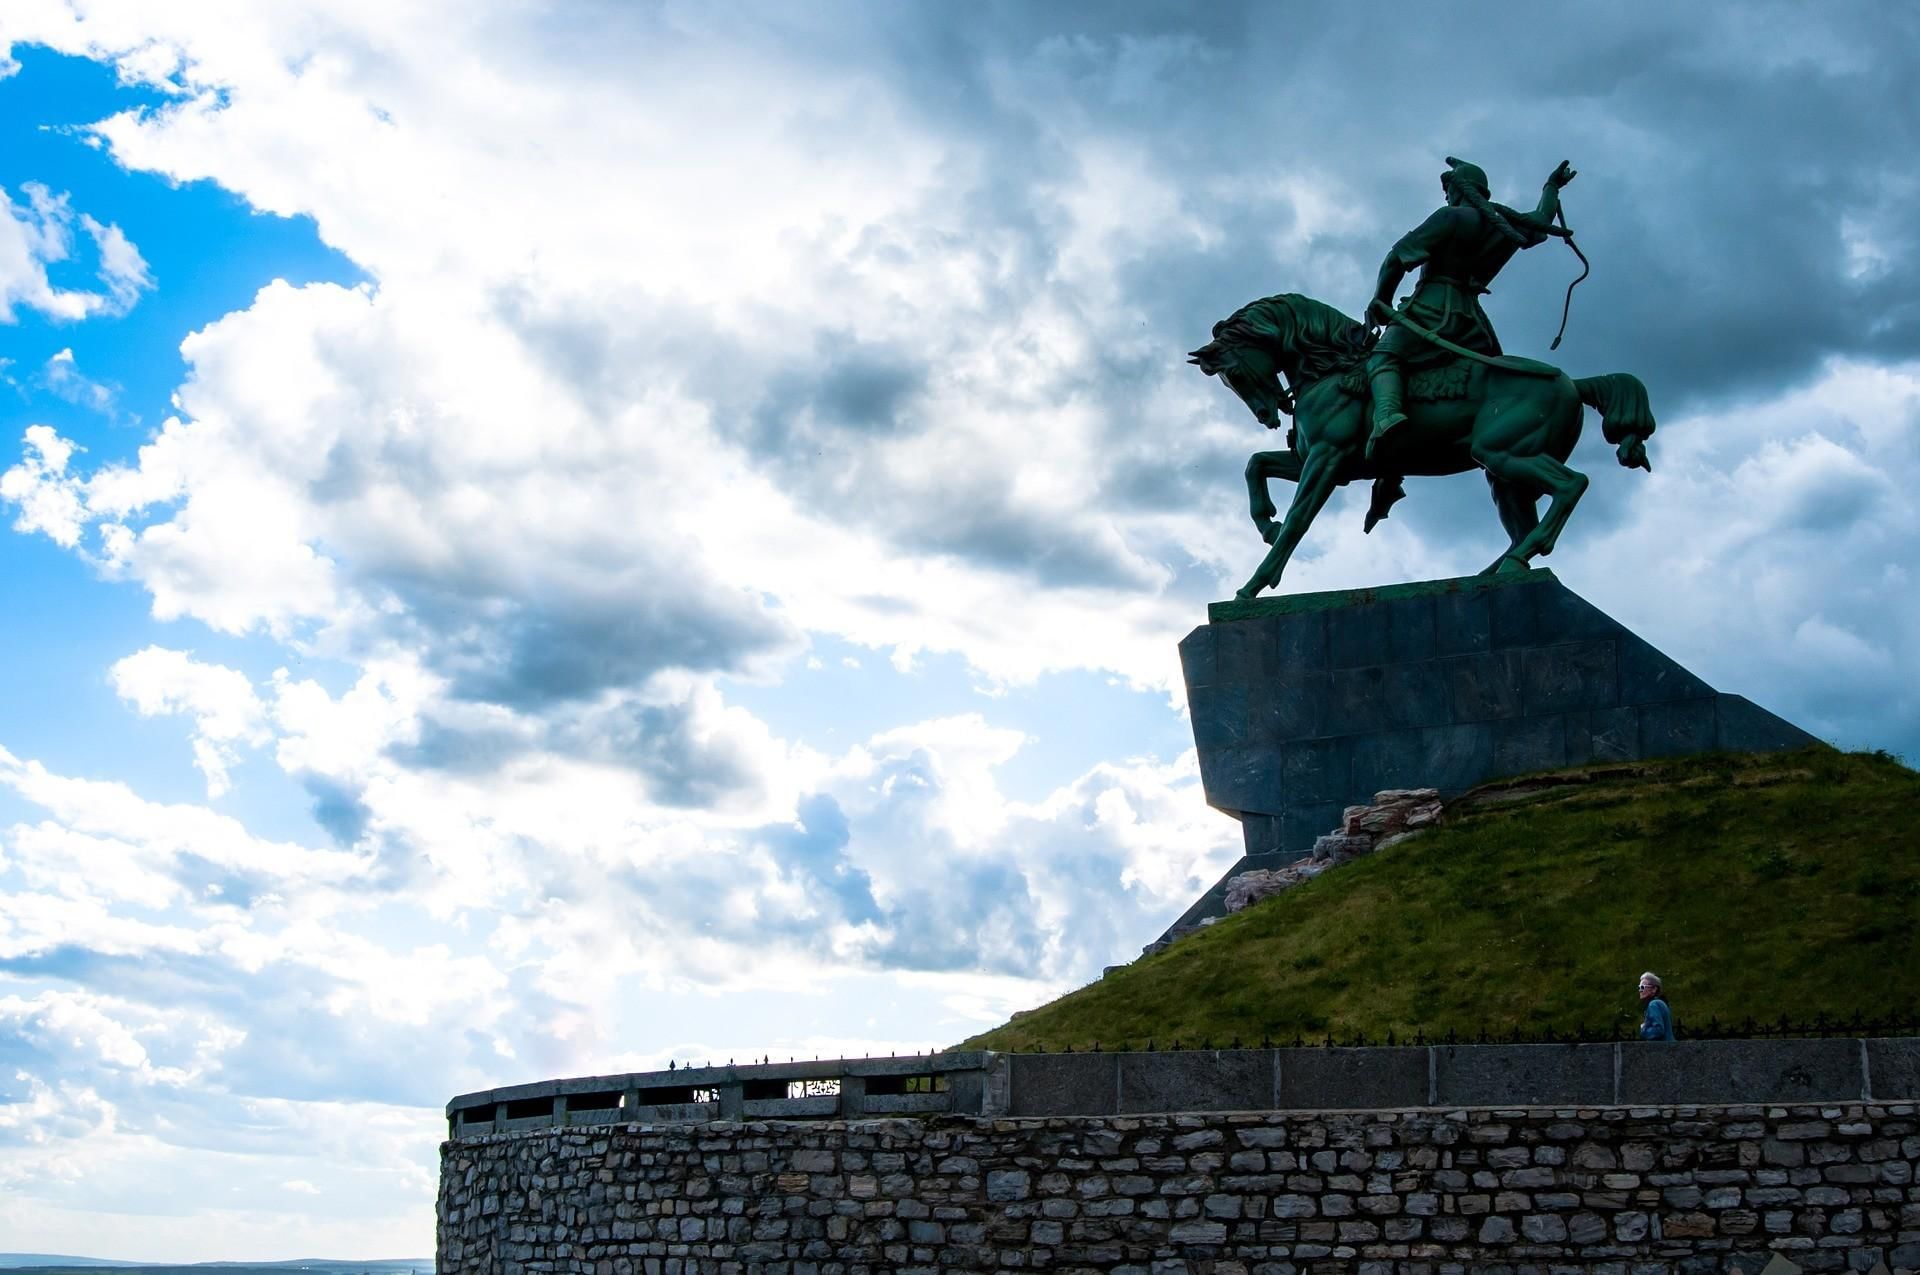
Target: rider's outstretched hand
x,y
1562,175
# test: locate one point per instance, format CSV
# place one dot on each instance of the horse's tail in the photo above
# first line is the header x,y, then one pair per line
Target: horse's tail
x,y
1621,400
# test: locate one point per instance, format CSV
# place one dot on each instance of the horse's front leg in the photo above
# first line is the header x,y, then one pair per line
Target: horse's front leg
x,y
1319,475
1262,466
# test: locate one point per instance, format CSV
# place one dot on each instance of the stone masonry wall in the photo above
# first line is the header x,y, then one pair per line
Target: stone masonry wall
x,y
1621,1189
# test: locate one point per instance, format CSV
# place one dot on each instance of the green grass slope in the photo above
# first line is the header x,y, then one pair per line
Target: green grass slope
x,y
1762,886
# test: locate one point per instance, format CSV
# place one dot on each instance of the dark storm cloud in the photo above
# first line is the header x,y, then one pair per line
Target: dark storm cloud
x,y
666,742
1733,162
815,847
683,765
862,387
986,919
563,639
337,809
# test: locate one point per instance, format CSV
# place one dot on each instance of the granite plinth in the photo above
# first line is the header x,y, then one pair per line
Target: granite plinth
x,y
1305,704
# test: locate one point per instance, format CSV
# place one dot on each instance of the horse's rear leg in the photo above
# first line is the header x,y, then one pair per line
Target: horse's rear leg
x,y
1317,481
1518,515
1544,475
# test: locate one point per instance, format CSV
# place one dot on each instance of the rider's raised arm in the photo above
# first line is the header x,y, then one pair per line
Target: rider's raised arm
x,y
1549,203
1536,227
1541,220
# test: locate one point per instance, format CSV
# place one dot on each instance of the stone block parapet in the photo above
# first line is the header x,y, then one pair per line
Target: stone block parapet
x,y
969,1081
984,1083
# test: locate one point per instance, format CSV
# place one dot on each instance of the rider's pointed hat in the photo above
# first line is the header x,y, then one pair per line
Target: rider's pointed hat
x,y
1468,175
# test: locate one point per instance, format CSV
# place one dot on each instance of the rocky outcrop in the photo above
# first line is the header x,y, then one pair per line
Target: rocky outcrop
x,y
1394,815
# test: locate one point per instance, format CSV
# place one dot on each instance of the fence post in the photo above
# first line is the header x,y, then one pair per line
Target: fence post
x,y
853,1096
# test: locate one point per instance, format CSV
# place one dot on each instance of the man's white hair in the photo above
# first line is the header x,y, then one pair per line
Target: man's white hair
x,y
1650,975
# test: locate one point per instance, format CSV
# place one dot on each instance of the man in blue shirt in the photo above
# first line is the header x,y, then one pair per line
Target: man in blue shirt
x,y
1658,1024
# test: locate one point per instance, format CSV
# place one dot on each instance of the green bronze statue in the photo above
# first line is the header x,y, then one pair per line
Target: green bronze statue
x,y
1433,396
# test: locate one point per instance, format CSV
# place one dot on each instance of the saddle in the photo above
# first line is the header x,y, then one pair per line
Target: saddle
x,y
1434,383
1440,382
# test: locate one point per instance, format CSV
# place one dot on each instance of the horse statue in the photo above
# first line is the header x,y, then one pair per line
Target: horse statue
x,y
1514,418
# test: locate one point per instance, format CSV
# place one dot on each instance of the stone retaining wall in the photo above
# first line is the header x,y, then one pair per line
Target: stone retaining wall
x,y
1602,1189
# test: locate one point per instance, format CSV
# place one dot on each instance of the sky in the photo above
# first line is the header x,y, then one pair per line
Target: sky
x,y
544,540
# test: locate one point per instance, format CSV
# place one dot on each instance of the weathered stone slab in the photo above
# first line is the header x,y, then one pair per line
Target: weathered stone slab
x,y
1603,735
1678,728
1197,1080
1322,1079
1065,1084
1486,685
1511,1075
1291,706
1893,1069
1756,1070
1742,726
1649,677
1524,744
1571,675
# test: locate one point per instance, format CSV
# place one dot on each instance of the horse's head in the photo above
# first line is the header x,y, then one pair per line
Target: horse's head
x,y
1249,372
1246,353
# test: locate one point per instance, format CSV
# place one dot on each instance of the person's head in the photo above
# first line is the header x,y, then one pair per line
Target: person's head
x,y
1463,181
1649,985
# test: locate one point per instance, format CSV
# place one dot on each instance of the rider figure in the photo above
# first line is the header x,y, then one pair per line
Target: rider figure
x,y
1461,248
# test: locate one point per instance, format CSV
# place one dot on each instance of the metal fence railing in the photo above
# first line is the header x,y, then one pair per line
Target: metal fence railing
x,y
1820,1026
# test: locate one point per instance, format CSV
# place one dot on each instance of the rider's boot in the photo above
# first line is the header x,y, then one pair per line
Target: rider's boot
x,y
1384,379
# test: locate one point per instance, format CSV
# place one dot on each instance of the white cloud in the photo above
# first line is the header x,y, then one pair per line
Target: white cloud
x,y
50,500
39,234
64,378
221,701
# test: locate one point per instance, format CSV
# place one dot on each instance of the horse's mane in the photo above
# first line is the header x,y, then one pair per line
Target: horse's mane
x,y
1323,341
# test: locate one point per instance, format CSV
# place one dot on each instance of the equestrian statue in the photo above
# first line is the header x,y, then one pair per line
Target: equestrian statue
x,y
1432,395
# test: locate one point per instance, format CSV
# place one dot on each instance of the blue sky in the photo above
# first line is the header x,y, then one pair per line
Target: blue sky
x,y
537,542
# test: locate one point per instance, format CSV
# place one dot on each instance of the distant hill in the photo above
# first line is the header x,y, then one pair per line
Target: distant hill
x,y
1762,886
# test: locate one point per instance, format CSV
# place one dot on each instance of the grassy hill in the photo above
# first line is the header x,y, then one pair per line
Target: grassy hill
x,y
1762,886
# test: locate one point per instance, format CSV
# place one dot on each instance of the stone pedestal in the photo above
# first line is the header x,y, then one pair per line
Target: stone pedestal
x,y
1305,704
